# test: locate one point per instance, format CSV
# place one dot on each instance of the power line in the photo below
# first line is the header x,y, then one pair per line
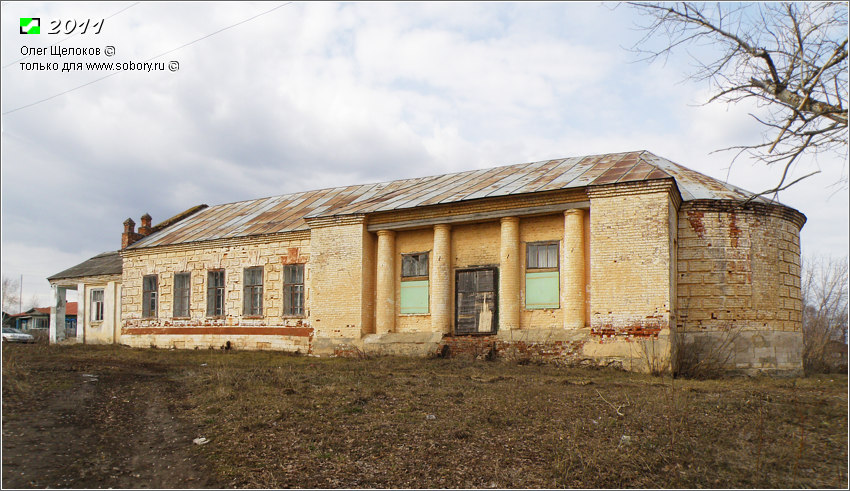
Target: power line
x,y
72,35
149,59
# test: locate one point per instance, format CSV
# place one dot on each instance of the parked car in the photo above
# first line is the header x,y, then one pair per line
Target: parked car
x,y
12,335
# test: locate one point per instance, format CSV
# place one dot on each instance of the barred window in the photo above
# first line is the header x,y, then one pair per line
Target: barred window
x,y
149,295
215,293
97,305
182,286
252,295
293,289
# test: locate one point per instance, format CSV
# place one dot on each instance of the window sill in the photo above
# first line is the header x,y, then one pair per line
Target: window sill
x,y
181,318
425,314
252,317
293,316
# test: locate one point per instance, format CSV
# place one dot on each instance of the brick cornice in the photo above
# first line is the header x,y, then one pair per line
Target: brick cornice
x,y
630,188
335,220
732,206
215,243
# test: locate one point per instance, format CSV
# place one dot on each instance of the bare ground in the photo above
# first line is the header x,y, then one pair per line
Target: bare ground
x,y
113,425
99,417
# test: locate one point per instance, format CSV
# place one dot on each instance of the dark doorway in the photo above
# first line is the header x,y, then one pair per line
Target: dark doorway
x,y
476,302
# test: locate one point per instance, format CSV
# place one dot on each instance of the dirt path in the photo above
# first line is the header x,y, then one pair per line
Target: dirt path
x,y
117,427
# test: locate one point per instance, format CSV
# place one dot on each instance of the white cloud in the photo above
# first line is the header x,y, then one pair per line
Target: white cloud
x,y
315,95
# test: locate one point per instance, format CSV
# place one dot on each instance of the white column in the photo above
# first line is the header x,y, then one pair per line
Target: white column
x,y
56,328
116,325
109,309
82,308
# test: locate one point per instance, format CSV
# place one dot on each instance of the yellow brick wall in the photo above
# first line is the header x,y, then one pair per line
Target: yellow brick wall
x,y
370,250
338,279
409,241
740,268
630,253
475,245
165,262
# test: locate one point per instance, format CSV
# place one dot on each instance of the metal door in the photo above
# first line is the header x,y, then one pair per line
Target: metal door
x,y
476,301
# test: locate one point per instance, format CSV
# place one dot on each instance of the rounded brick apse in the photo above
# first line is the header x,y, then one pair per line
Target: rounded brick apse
x,y
738,284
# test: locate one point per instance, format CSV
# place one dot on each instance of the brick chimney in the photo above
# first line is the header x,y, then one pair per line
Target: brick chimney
x,y
145,228
129,236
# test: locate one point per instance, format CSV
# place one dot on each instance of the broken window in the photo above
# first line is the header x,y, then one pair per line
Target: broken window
x,y
181,294
149,295
542,277
476,301
414,265
414,284
252,294
293,289
215,293
97,305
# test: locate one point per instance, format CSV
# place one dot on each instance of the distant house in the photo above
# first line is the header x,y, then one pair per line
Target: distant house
x,y
39,318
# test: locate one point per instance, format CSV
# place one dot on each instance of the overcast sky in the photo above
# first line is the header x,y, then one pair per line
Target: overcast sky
x,y
313,95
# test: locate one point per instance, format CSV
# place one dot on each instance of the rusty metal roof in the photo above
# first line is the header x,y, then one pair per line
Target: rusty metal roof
x,y
106,263
287,213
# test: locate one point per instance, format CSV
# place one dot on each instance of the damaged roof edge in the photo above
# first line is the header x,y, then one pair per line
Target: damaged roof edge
x,y
176,218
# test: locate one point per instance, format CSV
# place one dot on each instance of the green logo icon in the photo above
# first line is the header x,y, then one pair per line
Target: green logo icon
x,y
30,25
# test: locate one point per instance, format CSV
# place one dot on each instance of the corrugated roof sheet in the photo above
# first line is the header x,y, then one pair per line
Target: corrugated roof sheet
x,y
287,213
102,264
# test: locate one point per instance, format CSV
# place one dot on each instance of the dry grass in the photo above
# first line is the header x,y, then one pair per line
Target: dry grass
x,y
277,421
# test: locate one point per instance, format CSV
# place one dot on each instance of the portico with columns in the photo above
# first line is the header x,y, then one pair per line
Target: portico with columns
x,y
454,246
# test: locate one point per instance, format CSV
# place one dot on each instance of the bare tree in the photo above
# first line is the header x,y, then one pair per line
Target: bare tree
x,y
824,289
11,295
791,58
32,303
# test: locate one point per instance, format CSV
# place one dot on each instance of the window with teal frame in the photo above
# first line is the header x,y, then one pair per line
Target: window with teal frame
x,y
542,277
414,284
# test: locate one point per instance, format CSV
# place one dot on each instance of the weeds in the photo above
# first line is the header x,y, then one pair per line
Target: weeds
x,y
705,356
278,421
